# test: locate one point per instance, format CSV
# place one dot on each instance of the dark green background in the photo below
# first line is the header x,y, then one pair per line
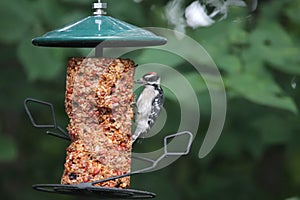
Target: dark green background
x,y
258,154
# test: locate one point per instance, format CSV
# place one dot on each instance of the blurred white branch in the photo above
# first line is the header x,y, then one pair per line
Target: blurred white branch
x,y
197,15
174,13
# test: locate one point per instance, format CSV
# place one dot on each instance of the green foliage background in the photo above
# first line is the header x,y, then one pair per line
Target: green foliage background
x,y
258,54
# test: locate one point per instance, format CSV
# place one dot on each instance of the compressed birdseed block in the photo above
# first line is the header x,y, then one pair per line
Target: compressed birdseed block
x,y
99,94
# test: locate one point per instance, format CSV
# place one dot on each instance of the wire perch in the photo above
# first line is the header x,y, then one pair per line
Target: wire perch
x,y
62,133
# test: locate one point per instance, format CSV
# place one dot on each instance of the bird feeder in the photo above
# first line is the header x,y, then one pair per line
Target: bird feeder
x,y
98,101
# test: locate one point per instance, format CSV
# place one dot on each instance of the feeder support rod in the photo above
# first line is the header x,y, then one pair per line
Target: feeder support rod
x,y
99,51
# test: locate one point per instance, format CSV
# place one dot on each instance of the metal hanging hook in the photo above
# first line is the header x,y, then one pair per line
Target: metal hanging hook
x,y
99,8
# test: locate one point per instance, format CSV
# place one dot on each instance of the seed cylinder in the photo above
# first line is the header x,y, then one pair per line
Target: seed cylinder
x,y
99,94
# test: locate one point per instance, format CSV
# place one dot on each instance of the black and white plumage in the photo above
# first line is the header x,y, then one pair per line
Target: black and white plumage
x,y
149,104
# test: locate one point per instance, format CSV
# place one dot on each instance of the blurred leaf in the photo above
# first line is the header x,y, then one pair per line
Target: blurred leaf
x,y
253,143
40,63
286,60
237,34
292,12
8,149
16,19
293,162
45,12
260,89
225,42
230,63
272,9
273,129
262,37
128,11
276,48
230,140
293,198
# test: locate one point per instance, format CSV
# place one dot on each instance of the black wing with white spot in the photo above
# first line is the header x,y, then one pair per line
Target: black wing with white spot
x,y
157,105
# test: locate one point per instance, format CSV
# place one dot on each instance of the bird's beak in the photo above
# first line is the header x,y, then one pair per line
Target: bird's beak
x,y
139,81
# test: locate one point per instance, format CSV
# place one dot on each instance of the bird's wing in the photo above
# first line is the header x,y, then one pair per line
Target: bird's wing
x,y
156,108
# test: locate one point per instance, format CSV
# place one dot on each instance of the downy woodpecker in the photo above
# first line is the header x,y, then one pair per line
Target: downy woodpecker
x,y
149,104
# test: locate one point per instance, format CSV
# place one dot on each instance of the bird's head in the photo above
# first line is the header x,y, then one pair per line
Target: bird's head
x,y
151,78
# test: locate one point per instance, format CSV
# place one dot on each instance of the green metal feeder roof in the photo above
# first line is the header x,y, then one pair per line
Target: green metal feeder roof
x,y
93,30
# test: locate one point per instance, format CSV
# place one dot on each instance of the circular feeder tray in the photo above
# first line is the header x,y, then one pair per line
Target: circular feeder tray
x,y
93,30
104,192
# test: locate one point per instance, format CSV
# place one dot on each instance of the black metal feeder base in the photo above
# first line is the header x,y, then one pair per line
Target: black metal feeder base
x,y
89,190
